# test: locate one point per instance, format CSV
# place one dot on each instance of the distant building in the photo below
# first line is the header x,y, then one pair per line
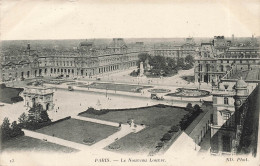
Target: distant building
x,y
86,61
181,51
217,58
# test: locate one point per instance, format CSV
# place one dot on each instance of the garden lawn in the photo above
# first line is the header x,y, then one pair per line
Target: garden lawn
x,y
25,143
115,87
158,121
77,130
7,93
142,142
150,116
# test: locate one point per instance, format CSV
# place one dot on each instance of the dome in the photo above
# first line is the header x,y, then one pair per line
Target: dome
x,y
241,83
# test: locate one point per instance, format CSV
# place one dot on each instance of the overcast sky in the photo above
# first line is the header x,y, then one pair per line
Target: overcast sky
x,y
75,19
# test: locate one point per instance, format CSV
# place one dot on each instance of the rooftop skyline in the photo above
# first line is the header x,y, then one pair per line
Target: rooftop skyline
x,y
84,19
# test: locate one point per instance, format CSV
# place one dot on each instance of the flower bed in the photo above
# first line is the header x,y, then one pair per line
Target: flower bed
x,y
159,90
182,92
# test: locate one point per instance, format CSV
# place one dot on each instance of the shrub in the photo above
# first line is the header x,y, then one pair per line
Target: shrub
x,y
160,144
189,107
175,128
2,86
16,99
91,110
166,137
114,147
88,141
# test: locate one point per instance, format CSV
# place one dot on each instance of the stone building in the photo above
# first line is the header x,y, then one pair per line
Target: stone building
x,y
181,51
85,61
230,100
213,63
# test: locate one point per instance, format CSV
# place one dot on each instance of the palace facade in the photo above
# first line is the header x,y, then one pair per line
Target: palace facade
x,y
188,48
231,99
83,61
217,57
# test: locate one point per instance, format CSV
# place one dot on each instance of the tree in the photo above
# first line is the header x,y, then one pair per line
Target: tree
x,y
197,107
44,116
158,64
5,129
166,137
189,60
171,63
175,129
23,119
189,107
16,130
180,63
35,113
142,57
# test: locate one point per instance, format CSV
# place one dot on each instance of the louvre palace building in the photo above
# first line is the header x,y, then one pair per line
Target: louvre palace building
x,y
86,60
216,58
177,51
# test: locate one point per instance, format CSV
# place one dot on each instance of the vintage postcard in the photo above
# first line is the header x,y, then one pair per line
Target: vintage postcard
x,y
120,82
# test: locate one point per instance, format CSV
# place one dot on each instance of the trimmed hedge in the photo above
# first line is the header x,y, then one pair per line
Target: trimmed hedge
x,y
16,99
104,111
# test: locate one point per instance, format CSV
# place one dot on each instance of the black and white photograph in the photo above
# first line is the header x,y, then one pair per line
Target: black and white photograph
x,y
120,82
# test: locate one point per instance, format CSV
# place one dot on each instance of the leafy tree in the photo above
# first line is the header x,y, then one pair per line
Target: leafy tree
x,y
189,59
142,57
171,63
180,63
166,137
35,113
189,107
44,116
5,129
197,107
16,129
175,128
23,118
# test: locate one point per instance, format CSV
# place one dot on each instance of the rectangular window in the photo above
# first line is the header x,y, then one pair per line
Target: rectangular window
x,y
226,116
